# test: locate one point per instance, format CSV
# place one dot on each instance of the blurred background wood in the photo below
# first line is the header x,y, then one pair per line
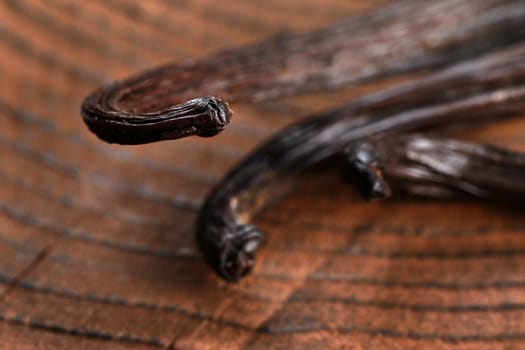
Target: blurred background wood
x,y
96,241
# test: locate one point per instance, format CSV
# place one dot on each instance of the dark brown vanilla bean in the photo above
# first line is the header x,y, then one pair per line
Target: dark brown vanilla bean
x,y
401,37
436,167
205,116
491,86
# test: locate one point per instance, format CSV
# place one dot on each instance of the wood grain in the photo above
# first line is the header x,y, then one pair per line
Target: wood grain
x,y
96,241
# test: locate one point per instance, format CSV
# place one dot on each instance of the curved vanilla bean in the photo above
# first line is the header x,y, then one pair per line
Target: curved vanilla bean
x,y
436,167
401,37
204,116
492,86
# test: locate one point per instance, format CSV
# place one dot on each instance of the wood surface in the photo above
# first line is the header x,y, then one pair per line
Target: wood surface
x,y
97,243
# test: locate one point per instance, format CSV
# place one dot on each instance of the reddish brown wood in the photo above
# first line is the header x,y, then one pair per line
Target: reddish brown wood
x,y
96,241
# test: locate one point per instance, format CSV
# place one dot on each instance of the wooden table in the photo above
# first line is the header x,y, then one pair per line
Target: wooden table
x,y
96,241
